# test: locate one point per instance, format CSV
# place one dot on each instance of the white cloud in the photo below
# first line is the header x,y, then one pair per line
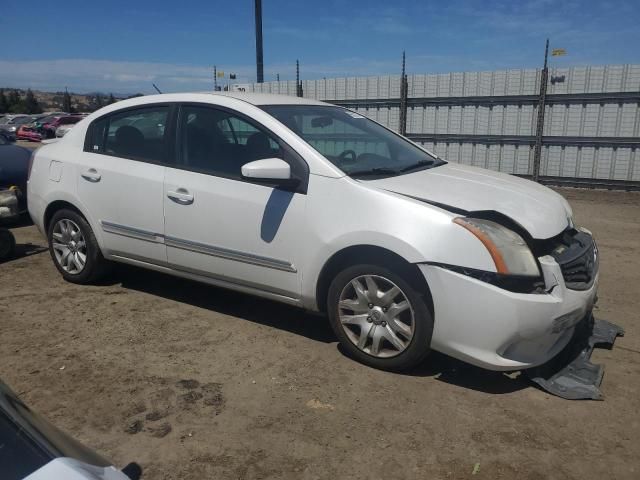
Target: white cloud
x,y
105,75
83,75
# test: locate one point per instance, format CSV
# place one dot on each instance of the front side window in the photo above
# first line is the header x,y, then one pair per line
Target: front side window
x,y
139,134
356,145
218,142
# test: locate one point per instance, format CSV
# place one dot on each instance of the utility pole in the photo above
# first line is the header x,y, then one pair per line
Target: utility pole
x,y
259,59
215,79
540,125
404,90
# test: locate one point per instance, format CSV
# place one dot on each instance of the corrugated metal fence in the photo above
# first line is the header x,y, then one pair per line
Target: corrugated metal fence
x,y
592,118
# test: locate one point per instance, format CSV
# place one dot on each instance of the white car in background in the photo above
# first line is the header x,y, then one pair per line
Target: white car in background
x,y
62,130
317,206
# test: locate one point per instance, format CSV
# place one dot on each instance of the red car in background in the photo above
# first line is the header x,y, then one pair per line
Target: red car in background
x,y
48,130
28,132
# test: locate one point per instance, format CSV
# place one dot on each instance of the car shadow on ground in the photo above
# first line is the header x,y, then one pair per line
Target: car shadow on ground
x,y
299,322
24,250
235,304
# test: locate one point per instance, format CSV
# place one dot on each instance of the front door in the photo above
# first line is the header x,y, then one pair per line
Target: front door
x,y
220,225
121,181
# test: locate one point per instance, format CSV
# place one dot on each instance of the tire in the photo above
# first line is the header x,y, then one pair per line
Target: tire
x,y
7,244
95,266
403,340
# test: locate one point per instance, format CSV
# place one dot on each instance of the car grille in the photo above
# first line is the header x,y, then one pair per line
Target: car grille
x,y
577,256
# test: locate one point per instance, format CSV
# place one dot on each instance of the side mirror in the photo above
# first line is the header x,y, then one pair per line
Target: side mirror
x,y
270,170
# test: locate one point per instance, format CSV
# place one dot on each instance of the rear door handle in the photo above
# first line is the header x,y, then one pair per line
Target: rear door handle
x,y
181,196
92,175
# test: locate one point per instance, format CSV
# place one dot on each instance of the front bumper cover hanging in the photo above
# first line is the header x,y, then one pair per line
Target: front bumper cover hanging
x,y
571,374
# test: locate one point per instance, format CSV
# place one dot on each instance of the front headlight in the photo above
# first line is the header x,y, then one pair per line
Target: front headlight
x,y
509,251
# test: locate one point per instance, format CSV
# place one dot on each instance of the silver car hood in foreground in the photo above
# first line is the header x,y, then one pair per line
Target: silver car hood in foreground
x,y
538,209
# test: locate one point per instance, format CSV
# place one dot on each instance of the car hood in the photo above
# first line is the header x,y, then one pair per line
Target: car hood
x,y
538,209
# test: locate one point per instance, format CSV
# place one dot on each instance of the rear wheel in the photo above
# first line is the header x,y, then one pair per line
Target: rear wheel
x,y
379,318
74,249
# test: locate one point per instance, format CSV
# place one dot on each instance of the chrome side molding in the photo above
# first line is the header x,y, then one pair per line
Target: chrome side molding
x,y
230,254
203,248
131,232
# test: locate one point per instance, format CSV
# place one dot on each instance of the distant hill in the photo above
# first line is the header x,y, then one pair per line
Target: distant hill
x,y
81,102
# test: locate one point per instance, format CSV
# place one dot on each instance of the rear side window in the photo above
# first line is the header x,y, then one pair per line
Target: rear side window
x,y
139,134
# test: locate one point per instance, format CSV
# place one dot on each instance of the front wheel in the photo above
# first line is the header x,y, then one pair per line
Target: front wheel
x,y
74,249
379,318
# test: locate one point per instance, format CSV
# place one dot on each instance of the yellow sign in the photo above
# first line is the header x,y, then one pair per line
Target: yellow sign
x,y
558,52
220,74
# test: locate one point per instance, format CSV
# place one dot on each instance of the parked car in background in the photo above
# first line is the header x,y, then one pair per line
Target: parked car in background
x,y
62,130
48,130
28,132
11,123
317,206
34,449
14,168
49,117
9,117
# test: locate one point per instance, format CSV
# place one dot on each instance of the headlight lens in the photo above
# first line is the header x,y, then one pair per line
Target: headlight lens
x,y
508,250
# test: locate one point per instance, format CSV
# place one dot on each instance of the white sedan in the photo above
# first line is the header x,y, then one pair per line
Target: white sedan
x,y
317,206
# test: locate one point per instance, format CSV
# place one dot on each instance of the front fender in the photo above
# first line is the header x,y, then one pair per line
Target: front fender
x,y
349,213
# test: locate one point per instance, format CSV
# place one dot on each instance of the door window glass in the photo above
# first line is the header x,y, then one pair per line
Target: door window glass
x,y
218,142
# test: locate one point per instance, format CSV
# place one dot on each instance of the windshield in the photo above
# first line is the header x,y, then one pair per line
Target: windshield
x,y
353,143
22,120
48,119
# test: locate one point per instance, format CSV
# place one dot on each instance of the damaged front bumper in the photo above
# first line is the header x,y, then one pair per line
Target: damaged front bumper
x,y
571,374
497,329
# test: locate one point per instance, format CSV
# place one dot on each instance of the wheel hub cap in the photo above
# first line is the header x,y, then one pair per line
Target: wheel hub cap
x,y
376,316
69,246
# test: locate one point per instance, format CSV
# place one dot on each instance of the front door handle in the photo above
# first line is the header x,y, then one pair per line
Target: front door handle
x,y
92,175
181,196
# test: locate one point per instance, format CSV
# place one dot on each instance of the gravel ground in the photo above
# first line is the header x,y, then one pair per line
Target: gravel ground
x,y
196,382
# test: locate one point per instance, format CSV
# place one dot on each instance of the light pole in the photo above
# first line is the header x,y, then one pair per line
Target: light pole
x,y
259,59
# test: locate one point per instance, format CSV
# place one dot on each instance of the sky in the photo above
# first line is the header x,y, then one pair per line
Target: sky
x,y
125,46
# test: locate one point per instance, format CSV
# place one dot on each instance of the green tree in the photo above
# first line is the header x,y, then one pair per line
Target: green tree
x,y
4,103
14,98
111,100
31,104
99,101
16,105
66,102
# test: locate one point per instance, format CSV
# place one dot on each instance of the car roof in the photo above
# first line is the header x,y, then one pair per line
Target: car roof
x,y
252,98
268,98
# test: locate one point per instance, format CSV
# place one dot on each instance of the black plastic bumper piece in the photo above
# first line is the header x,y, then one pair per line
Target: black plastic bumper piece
x,y
571,374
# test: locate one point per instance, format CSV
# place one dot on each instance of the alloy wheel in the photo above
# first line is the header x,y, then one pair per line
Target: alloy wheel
x,y
69,246
376,316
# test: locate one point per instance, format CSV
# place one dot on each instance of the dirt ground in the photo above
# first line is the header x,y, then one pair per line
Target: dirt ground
x,y
195,382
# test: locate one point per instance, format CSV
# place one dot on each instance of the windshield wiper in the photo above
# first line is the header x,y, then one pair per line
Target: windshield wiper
x,y
373,172
418,165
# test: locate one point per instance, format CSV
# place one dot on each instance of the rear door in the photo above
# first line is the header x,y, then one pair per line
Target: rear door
x,y
120,181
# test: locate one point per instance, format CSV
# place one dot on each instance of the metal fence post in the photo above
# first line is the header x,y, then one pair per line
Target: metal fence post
x,y
540,125
404,90
299,92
